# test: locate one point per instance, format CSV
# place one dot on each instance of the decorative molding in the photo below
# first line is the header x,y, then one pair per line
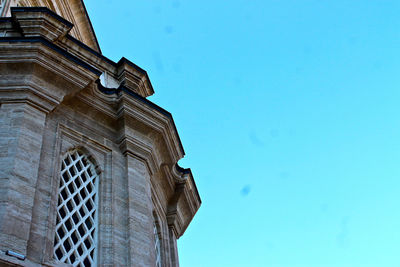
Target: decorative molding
x,y
185,192
134,78
40,21
27,94
151,117
75,12
179,179
35,68
132,146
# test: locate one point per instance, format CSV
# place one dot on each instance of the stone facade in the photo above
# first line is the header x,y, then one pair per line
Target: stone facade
x,y
58,93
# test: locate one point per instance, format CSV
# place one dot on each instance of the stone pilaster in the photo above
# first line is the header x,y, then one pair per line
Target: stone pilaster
x,y
140,218
173,247
21,137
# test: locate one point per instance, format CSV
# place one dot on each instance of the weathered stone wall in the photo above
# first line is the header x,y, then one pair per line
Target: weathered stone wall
x,y
51,101
21,134
33,144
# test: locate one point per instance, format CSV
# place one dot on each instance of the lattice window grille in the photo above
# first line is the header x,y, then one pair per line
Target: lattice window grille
x,y
76,237
157,246
2,5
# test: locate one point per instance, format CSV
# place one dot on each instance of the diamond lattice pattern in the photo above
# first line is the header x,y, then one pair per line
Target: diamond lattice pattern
x,y
2,4
76,212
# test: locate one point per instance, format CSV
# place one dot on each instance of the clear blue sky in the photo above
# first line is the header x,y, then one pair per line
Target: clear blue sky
x,y
290,118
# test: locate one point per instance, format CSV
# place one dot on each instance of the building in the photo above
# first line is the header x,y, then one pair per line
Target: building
x,y
88,165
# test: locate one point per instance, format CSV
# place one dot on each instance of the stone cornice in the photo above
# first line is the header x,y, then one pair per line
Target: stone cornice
x,y
134,147
185,192
72,10
121,103
152,116
40,22
27,94
41,40
28,63
192,199
132,76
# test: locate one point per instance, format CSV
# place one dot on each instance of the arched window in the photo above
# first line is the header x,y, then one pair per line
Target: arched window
x,y
157,245
75,237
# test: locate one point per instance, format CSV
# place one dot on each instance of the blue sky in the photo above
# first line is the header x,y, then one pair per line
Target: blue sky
x,y
289,115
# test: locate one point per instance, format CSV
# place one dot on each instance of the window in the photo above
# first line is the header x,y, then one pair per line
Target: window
x,y
5,7
75,237
157,245
2,5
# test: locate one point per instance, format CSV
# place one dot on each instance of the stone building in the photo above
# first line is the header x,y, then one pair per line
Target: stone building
x,y
88,165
